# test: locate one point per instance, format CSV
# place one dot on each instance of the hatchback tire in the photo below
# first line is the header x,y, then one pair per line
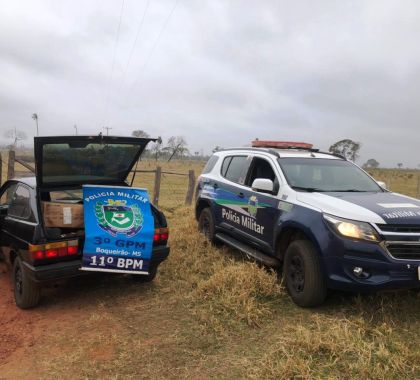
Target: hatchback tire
x,y
304,279
27,292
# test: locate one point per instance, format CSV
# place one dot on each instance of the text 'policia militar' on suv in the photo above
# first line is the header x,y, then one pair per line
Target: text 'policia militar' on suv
x,y
321,218
39,252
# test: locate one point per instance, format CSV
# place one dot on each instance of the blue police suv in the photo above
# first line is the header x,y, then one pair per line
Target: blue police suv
x,y
316,215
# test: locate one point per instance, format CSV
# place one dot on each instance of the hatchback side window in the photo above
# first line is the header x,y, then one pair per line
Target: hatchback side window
x,y
7,196
20,206
237,169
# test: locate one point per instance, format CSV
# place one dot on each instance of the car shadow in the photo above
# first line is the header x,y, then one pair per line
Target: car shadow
x,y
91,288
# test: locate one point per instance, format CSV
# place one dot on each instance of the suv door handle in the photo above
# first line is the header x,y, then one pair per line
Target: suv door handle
x,y
241,195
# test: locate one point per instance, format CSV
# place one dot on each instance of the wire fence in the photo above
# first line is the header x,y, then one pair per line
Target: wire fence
x,y
169,186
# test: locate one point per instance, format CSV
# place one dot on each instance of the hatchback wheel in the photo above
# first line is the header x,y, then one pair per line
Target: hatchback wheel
x,y
304,279
26,291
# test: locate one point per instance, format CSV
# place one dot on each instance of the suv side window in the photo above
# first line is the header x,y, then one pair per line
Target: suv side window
x,y
20,206
225,166
260,168
236,170
7,196
210,164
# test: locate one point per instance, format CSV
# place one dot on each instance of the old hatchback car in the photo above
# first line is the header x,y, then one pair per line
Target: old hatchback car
x,y
39,253
319,217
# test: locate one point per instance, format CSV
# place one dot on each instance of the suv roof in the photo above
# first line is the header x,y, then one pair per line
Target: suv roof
x,y
288,152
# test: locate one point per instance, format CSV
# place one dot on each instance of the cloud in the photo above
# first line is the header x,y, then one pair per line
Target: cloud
x,y
222,73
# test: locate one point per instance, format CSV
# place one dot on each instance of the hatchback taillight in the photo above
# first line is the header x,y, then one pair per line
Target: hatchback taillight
x,y
54,250
161,236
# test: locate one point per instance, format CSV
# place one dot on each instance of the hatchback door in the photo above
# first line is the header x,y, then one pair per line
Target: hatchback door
x,y
62,161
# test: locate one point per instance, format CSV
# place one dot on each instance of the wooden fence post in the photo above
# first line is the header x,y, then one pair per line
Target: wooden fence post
x,y
191,186
11,164
418,186
156,191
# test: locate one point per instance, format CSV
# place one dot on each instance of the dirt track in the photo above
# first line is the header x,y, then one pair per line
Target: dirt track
x,y
18,329
22,331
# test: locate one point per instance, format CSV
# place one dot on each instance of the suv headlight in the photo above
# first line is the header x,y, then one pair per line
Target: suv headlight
x,y
352,229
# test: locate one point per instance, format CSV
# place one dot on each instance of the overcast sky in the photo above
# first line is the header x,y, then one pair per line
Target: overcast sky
x,y
217,72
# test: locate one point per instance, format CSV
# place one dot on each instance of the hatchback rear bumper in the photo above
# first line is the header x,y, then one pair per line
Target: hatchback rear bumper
x,y
68,269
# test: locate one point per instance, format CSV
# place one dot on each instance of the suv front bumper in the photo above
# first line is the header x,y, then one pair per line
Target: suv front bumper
x,y
68,269
379,270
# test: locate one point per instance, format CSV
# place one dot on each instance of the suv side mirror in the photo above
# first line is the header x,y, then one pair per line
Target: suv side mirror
x,y
382,184
263,185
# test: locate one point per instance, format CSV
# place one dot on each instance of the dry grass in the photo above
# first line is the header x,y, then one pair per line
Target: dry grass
x,y
401,181
213,314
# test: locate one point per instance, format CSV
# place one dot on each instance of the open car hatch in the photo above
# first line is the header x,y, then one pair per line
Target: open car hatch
x,y
76,160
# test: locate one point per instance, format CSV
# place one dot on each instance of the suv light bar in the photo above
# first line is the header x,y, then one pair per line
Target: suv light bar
x,y
281,144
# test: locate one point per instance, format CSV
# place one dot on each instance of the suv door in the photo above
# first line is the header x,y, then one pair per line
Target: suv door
x,y
230,192
263,210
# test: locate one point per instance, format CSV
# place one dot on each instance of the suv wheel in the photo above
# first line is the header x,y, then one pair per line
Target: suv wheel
x,y
143,278
26,291
304,279
206,225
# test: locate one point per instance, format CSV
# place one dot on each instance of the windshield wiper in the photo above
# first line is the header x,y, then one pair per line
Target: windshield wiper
x,y
308,189
349,191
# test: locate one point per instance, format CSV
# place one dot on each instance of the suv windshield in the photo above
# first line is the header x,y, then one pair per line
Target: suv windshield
x,y
319,174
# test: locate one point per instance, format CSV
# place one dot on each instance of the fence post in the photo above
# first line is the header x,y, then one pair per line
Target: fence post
x,y
191,186
418,186
156,191
1,170
11,164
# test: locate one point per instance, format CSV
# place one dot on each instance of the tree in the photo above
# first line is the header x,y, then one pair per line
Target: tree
x,y
399,165
346,148
16,135
156,148
371,164
176,147
140,133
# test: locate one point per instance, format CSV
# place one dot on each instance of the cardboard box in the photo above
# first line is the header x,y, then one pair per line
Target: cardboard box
x,y
64,215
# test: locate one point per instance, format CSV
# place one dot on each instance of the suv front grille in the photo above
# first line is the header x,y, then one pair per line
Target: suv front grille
x,y
404,251
399,228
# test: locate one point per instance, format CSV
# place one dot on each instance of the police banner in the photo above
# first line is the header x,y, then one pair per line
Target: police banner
x,y
119,228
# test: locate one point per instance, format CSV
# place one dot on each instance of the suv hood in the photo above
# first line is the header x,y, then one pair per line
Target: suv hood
x,y
379,208
76,160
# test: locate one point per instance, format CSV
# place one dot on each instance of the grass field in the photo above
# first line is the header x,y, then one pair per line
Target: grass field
x,y
212,314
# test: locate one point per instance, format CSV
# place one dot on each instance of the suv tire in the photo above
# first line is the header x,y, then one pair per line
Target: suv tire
x,y
26,291
143,278
206,225
304,279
